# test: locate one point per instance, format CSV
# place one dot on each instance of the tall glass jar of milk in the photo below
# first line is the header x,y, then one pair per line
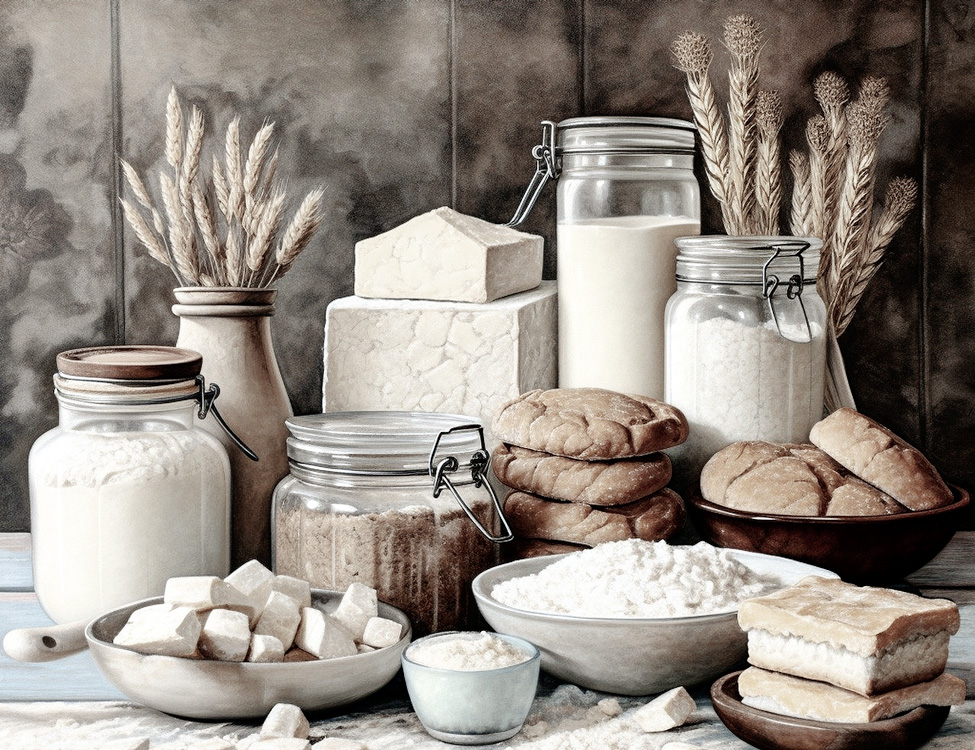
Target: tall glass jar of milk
x,y
746,344
126,491
626,190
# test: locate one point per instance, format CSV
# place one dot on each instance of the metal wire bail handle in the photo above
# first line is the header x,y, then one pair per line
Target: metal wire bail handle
x,y
479,463
547,167
206,398
771,282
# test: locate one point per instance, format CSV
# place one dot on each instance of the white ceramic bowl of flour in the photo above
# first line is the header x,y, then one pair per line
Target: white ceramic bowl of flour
x,y
631,655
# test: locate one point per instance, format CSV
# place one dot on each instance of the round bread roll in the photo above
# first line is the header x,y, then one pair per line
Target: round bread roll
x,y
520,548
788,479
593,482
652,518
589,423
878,456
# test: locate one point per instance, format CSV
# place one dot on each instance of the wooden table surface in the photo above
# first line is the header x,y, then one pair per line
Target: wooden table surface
x,y
68,703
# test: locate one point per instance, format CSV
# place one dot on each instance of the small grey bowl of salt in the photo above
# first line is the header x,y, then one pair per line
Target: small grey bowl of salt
x,y
471,688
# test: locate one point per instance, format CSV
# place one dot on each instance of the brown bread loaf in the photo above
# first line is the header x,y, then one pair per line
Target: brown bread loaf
x,y
572,480
878,456
788,479
655,517
589,423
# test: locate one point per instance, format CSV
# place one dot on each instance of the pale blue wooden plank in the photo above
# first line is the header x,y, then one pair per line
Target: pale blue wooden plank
x,y
15,567
73,678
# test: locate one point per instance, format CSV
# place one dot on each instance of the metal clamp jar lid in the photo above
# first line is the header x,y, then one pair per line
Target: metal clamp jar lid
x,y
770,262
397,443
600,136
139,376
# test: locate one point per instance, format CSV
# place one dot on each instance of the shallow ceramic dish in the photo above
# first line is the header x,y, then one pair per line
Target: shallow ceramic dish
x,y
769,731
861,549
629,656
206,689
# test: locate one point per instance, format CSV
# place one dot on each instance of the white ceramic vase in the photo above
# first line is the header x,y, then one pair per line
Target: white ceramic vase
x,y
231,328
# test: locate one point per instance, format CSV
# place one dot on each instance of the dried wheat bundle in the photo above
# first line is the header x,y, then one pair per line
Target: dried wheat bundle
x,y
228,230
833,184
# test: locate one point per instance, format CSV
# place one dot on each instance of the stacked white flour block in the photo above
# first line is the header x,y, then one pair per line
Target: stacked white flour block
x,y
450,314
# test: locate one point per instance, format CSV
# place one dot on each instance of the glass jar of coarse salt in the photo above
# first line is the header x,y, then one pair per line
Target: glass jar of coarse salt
x,y
745,343
399,501
126,491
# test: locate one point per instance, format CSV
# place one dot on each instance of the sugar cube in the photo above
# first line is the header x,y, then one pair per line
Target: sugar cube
x,y
666,711
226,635
285,720
265,649
380,632
280,618
173,633
322,635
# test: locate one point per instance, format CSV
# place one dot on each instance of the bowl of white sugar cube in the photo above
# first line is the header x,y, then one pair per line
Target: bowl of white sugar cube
x,y
213,648
470,688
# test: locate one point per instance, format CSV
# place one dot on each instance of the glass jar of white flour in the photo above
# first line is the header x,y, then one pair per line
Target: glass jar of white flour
x,y
126,492
746,343
626,189
399,501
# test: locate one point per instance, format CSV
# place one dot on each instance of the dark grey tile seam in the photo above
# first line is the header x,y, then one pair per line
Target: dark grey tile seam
x,y
583,59
452,70
924,369
118,239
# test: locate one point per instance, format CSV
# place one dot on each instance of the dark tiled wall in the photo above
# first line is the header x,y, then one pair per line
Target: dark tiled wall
x,y
399,107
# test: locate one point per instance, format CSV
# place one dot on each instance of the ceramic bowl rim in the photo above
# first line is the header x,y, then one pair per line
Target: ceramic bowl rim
x,y
699,503
530,649
484,597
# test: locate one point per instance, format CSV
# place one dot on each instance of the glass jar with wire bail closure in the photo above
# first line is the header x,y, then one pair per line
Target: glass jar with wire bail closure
x,y
127,491
626,189
745,343
399,501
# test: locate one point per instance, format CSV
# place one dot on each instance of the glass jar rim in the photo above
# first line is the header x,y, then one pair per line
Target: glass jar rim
x,y
746,259
607,134
382,442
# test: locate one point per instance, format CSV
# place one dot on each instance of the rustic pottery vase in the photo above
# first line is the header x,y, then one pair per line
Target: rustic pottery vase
x,y
231,328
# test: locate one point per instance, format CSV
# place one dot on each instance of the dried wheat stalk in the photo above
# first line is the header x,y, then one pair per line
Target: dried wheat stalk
x,y
800,218
832,94
768,178
743,38
221,231
694,56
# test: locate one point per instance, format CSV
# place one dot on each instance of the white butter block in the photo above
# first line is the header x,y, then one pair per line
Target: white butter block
x,y
381,632
449,256
285,720
173,633
265,649
296,588
416,355
322,636
339,743
253,580
666,711
359,604
226,635
206,592
150,612
280,618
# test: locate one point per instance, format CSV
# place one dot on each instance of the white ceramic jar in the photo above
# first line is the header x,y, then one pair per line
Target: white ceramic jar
x,y
126,491
746,343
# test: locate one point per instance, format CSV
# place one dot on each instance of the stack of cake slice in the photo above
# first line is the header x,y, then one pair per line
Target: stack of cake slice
x,y
832,651
586,467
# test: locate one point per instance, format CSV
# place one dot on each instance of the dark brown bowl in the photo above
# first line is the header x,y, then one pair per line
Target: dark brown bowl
x,y
769,731
860,549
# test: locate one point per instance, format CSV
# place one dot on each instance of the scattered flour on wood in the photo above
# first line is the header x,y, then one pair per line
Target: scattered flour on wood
x,y
635,578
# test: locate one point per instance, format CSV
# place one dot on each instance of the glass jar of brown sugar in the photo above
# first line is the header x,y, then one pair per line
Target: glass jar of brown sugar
x,y
399,501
